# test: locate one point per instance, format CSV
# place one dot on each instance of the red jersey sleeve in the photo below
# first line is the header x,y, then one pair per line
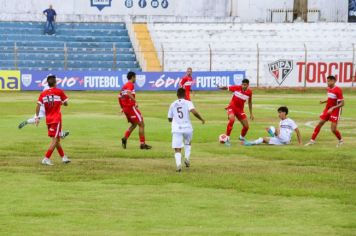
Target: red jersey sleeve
x,y
64,97
339,95
233,88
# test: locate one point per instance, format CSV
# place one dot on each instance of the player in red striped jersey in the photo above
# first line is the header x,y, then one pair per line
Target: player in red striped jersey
x,y
241,94
186,83
127,101
332,111
52,99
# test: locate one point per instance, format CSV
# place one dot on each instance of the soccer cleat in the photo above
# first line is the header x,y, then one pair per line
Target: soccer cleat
x,y
247,143
22,124
311,142
179,168
270,132
341,142
124,143
65,160
64,134
47,161
187,163
241,138
227,143
145,146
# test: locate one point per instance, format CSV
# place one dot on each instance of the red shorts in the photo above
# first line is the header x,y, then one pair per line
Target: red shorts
x,y
54,130
133,114
240,115
333,117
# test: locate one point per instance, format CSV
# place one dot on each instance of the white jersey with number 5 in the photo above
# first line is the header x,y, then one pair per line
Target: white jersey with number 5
x,y
179,112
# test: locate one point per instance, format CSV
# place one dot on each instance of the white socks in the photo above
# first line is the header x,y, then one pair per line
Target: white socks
x,y
187,149
178,157
258,141
31,121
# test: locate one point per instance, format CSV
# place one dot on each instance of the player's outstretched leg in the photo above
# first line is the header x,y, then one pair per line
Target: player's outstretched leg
x,y
229,127
127,134
337,134
255,142
27,122
245,127
141,133
315,133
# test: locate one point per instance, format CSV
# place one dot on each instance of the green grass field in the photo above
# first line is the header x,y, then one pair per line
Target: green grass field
x,y
261,190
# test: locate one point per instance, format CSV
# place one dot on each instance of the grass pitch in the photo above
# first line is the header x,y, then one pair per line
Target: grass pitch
x,y
260,190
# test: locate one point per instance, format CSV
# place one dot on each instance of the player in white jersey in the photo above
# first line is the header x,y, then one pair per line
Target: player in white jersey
x,y
283,134
182,129
41,116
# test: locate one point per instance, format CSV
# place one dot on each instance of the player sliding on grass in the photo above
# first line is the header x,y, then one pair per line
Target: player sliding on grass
x,y
182,129
186,83
129,106
282,135
52,99
241,94
41,116
332,111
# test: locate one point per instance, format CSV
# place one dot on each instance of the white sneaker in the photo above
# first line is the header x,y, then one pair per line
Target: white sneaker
x,y
311,142
47,161
341,142
65,160
242,138
179,168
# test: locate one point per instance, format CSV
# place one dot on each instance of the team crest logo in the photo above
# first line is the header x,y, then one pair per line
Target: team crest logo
x,y
280,69
129,3
238,78
154,3
140,80
164,4
142,3
26,79
100,4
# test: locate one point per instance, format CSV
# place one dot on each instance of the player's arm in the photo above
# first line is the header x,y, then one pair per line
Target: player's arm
x,y
299,136
37,120
340,104
322,102
223,87
250,108
129,94
197,115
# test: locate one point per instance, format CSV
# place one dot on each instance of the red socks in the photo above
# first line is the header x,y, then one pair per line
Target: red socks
x,y
127,134
244,131
316,132
60,151
229,127
142,139
49,153
337,134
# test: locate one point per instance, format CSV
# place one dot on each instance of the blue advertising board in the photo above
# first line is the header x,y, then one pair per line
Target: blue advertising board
x,y
114,80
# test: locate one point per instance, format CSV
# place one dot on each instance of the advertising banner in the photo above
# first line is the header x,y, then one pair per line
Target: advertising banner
x,y
10,80
114,80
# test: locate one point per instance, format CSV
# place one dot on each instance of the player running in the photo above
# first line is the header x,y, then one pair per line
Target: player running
x,y
182,129
332,111
186,83
52,99
283,134
129,106
241,94
41,116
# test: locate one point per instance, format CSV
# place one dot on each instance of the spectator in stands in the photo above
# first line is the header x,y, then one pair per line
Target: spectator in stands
x,y
51,14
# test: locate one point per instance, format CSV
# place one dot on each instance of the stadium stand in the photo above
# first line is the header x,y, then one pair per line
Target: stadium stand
x,y
76,46
232,46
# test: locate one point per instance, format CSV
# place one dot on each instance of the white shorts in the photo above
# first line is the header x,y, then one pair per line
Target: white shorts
x,y
181,139
278,141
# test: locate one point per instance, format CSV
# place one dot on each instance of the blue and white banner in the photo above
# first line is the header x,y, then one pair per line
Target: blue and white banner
x,y
114,80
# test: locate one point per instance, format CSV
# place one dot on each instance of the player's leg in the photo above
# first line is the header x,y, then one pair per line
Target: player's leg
x,y
257,141
141,133
46,160
230,124
316,132
187,148
245,127
127,134
177,144
337,133
65,159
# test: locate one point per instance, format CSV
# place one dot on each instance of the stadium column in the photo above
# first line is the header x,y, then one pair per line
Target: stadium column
x,y
148,49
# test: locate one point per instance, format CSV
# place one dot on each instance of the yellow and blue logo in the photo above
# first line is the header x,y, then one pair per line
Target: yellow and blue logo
x,y
10,80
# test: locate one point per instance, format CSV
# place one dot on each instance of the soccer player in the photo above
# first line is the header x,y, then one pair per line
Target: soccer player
x,y
186,83
52,99
332,111
40,116
182,130
283,134
127,101
241,94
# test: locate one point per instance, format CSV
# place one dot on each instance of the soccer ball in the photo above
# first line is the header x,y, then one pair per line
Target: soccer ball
x,y
223,138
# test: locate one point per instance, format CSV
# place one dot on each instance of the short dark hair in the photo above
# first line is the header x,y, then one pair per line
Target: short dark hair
x,y
181,93
130,75
283,109
51,80
331,77
245,81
